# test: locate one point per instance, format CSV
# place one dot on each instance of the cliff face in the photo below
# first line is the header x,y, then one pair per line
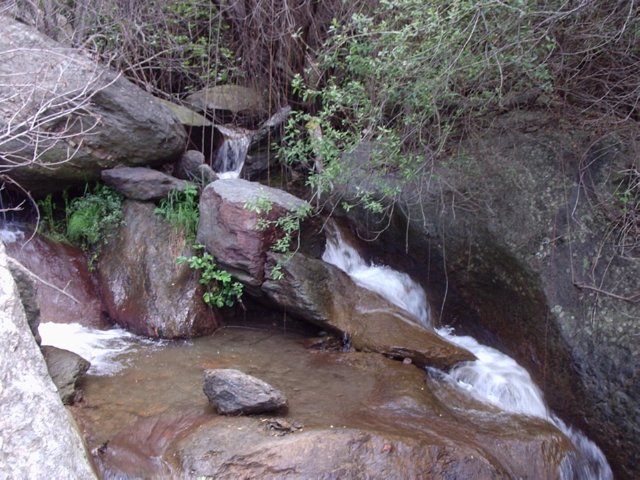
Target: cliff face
x,y
528,232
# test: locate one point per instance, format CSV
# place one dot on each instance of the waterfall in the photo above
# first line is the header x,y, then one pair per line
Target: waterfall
x,y
493,378
232,153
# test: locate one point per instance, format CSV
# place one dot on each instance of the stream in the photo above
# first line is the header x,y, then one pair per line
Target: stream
x,y
494,378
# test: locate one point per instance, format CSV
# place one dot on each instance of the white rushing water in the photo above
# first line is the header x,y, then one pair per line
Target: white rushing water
x,y
493,378
232,153
100,347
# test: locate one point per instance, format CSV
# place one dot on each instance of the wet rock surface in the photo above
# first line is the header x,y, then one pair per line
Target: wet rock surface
x,y
230,230
356,415
138,183
315,291
38,438
110,121
232,392
66,369
144,289
525,219
76,297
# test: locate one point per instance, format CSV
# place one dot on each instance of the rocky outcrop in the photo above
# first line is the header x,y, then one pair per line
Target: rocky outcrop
x,y
138,183
144,289
233,216
77,119
232,392
321,293
66,291
65,368
231,212
38,438
529,218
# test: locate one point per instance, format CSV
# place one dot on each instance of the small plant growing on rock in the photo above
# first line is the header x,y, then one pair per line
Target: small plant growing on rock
x,y
180,209
88,219
221,290
287,225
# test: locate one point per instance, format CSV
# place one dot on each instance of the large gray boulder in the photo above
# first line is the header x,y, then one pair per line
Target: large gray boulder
x,y
525,228
63,118
144,289
138,183
38,437
232,392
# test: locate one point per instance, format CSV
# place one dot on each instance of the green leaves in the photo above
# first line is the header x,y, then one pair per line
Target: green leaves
x,y
180,209
221,290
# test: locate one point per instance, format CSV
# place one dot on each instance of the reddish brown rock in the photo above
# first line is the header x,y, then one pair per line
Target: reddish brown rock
x,y
229,228
144,289
65,267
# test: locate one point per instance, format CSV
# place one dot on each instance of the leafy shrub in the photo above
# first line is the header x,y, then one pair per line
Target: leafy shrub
x,y
221,290
93,216
287,226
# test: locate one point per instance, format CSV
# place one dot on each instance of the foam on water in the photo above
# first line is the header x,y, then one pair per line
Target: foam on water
x,y
100,347
397,287
494,378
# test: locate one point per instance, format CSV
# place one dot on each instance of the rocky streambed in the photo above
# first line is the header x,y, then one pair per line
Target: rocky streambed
x,y
351,415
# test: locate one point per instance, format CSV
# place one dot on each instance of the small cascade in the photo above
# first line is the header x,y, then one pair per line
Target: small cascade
x,y
232,153
493,378
397,287
100,347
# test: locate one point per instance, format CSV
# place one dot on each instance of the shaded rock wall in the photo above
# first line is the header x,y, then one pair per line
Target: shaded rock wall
x,y
518,223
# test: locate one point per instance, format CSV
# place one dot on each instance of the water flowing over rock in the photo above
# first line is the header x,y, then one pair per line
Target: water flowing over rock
x,y
363,415
138,183
144,289
232,153
320,293
75,297
38,438
525,218
77,118
232,392
229,230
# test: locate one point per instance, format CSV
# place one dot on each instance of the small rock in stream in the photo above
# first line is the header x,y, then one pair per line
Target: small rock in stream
x,y
232,392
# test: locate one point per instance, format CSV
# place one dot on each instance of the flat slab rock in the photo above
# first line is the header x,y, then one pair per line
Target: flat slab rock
x,y
232,392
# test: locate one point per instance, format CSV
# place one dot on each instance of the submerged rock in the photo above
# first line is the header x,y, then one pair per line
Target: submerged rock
x,y
38,437
144,289
65,368
232,392
138,183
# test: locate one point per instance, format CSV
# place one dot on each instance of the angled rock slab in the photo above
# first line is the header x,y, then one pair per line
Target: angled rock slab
x,y
232,392
321,293
38,437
